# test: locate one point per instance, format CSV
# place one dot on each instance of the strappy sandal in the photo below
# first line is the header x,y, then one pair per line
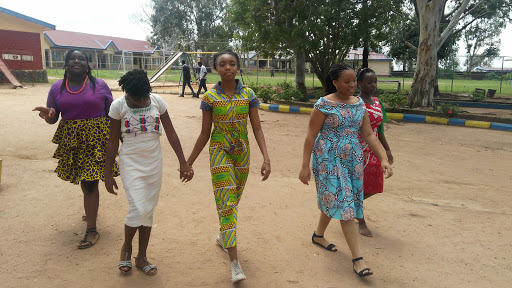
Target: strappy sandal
x,y
89,243
330,247
361,273
146,268
127,263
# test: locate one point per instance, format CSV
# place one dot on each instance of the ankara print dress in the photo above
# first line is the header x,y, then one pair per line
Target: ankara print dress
x,y
373,175
338,160
229,152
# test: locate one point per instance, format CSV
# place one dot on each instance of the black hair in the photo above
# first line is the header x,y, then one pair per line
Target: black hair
x,y
136,84
199,63
334,73
229,52
361,73
89,69
182,61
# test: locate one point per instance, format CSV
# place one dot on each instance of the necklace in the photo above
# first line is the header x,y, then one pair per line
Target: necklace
x,y
83,86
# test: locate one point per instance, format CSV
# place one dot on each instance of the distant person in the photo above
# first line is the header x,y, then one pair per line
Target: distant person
x,y
138,119
373,182
271,72
202,79
83,102
332,140
186,79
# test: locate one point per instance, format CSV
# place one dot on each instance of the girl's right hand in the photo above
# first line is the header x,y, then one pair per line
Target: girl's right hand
x,y
305,175
386,168
110,183
45,112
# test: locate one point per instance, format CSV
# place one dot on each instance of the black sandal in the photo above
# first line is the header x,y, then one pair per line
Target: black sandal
x,y
329,247
89,243
361,273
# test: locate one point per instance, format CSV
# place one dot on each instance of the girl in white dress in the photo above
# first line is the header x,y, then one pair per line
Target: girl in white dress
x,y
137,119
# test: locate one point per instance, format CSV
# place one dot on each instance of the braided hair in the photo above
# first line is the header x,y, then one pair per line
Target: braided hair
x,y
334,73
136,84
361,73
89,69
229,52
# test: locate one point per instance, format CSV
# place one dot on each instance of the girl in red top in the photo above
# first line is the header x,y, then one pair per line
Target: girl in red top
x,y
373,176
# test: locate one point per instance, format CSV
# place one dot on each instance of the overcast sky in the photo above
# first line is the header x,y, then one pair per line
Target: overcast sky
x,y
115,18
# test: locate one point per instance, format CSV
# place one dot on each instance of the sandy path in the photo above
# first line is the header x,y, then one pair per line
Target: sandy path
x,y
443,221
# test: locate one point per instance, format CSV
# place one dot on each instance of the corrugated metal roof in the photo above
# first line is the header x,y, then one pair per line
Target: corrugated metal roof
x,y
27,18
68,39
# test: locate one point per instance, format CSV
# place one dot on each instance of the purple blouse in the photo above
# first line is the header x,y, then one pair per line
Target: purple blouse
x,y
84,105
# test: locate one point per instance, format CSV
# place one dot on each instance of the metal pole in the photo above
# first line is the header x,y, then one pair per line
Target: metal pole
x,y
453,73
257,69
501,78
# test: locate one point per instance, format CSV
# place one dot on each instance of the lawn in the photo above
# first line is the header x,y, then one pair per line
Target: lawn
x,y
263,78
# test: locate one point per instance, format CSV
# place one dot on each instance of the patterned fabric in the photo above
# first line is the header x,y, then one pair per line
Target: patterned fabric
x,y
373,175
338,160
140,120
229,152
81,149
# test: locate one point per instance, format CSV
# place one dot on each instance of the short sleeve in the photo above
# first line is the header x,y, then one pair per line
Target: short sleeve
x,y
161,105
207,102
384,120
254,102
321,105
115,109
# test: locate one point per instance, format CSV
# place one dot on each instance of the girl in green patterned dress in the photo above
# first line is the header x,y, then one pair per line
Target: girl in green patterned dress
x,y
228,105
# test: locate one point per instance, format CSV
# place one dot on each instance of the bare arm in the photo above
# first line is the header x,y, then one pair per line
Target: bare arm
x,y
186,173
384,142
112,148
203,137
47,114
316,121
375,145
260,138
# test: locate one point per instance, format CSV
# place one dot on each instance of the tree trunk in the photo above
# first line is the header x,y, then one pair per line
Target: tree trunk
x,y
366,40
422,89
300,73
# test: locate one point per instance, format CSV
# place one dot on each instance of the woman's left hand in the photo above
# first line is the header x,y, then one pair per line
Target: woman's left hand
x,y
390,156
265,170
186,173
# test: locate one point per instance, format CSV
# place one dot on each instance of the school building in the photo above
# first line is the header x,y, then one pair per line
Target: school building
x,y
21,46
378,62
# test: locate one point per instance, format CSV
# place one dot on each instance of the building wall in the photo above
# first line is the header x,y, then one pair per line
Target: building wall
x,y
25,46
15,24
381,68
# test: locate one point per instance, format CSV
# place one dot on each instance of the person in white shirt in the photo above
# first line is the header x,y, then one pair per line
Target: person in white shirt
x,y
202,78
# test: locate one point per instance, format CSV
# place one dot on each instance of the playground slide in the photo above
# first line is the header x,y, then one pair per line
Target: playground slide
x,y
9,75
164,67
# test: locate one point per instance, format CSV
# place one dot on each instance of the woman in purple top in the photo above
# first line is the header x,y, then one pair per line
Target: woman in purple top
x,y
82,135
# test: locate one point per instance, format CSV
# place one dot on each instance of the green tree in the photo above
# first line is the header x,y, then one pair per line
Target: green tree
x,y
482,42
190,25
324,31
457,15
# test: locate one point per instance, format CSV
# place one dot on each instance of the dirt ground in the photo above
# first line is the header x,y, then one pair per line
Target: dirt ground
x,y
444,219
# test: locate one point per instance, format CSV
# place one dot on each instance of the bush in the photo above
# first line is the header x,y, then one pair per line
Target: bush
x,y
492,76
266,94
479,95
449,109
288,93
395,101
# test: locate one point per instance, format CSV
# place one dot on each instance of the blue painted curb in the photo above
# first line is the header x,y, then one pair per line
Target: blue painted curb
x,y
273,107
457,122
414,118
501,126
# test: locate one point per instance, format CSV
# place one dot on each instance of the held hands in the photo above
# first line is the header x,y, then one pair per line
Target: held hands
x,y
265,170
110,184
305,175
186,172
45,112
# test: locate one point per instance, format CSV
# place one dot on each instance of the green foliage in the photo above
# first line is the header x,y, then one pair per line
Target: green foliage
x,y
395,101
450,110
492,76
479,95
264,93
288,93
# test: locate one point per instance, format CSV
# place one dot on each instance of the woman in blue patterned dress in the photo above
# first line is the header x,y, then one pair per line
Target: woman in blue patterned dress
x,y
338,159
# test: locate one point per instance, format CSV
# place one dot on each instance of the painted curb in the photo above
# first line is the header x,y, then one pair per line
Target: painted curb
x,y
403,117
